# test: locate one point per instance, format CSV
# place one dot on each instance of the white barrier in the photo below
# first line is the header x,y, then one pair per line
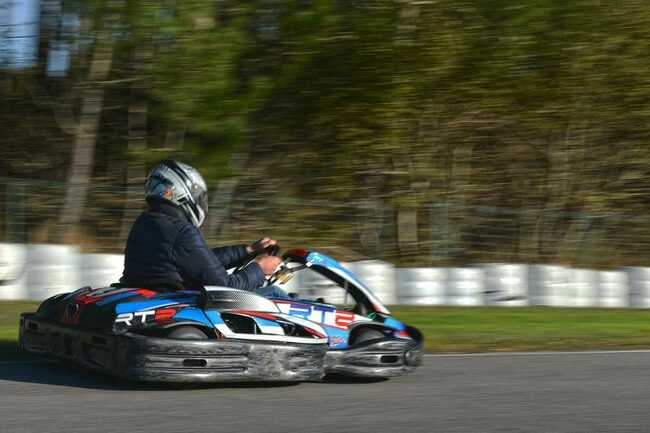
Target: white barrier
x,y
506,284
51,269
39,271
309,284
13,266
101,270
583,284
378,276
421,286
639,287
465,286
613,287
549,285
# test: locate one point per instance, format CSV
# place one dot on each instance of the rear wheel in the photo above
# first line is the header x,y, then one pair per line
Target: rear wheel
x,y
187,333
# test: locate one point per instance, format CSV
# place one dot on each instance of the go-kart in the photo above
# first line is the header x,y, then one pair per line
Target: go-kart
x,y
219,334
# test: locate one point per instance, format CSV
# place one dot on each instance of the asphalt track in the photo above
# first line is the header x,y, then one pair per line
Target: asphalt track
x,y
560,392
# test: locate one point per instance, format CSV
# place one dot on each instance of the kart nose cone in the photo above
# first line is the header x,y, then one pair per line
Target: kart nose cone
x,y
413,357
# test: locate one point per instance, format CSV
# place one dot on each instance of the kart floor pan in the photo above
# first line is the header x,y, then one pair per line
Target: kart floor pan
x,y
142,358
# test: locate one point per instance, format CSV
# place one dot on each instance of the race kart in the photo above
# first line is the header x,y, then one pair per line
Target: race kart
x,y
218,334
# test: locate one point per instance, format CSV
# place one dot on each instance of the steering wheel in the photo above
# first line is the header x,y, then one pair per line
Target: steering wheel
x,y
272,250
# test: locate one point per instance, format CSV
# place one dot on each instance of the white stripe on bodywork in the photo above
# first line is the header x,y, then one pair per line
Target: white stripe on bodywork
x,y
227,332
274,330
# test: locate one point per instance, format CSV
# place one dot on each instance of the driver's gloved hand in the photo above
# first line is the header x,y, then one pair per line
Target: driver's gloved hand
x,y
261,245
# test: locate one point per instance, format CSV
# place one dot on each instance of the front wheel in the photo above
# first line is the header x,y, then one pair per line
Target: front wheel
x,y
365,335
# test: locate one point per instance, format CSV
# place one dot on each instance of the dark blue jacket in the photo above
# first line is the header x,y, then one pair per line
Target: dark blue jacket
x,y
165,250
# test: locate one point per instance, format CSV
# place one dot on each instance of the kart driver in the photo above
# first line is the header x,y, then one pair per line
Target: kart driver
x,y
165,248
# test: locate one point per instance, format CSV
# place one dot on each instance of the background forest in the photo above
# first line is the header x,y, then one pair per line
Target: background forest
x,y
419,132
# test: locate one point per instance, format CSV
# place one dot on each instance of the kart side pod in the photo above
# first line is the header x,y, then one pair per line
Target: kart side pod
x,y
224,298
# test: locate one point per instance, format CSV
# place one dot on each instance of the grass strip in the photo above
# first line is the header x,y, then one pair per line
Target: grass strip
x,y
9,318
471,329
490,329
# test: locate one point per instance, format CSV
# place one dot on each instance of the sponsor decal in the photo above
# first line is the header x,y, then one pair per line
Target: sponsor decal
x,y
137,318
144,317
343,318
320,313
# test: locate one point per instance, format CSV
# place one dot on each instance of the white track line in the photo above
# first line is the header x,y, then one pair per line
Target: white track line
x,y
496,354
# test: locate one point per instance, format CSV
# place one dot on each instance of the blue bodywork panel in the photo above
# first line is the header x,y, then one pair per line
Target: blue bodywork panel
x,y
338,338
192,314
141,306
130,307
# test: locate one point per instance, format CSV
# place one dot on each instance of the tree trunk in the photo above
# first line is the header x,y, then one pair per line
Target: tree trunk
x,y
137,138
86,135
174,140
460,170
220,205
223,192
405,129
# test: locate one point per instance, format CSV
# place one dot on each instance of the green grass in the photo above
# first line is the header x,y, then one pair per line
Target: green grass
x,y
472,329
486,329
9,317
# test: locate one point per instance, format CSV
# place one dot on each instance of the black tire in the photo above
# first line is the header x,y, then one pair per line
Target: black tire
x,y
367,334
186,333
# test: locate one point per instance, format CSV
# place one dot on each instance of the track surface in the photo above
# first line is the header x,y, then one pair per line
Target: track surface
x,y
596,392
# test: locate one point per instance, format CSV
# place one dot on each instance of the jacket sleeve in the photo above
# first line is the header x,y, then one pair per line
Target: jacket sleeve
x,y
201,266
231,256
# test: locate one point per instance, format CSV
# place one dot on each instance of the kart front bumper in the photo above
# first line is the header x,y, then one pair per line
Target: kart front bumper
x,y
383,358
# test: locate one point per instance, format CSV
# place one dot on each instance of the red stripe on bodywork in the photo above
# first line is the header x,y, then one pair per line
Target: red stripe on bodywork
x,y
146,293
85,299
257,314
165,314
313,332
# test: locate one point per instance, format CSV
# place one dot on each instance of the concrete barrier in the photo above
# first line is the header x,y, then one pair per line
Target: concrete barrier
x,y
421,286
13,271
506,284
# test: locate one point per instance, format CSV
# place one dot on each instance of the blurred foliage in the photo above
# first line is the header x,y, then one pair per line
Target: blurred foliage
x,y
422,132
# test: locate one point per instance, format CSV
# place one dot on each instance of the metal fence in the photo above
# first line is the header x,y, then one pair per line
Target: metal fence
x,y
427,234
